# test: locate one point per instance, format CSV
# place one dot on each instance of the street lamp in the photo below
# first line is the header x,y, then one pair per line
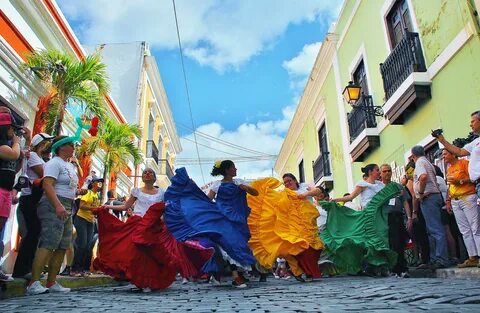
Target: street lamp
x,y
351,93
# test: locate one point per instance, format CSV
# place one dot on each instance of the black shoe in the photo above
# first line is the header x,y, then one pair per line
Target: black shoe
x,y
66,271
299,278
243,277
263,278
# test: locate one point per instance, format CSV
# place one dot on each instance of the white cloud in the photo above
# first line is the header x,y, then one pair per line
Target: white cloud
x,y
223,34
265,137
302,64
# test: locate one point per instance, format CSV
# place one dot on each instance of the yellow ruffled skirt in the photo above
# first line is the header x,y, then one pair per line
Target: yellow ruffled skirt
x,y
281,224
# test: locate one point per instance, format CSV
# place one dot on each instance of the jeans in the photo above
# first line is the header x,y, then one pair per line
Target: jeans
x,y
84,237
431,207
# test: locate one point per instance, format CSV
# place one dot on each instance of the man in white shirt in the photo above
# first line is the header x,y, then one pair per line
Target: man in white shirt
x,y
472,150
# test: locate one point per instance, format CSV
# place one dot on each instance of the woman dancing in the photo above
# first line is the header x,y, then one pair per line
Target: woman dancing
x,y
222,224
142,250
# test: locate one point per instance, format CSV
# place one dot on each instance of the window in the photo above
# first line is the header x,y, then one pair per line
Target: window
x,y
360,77
397,21
301,172
151,124
323,148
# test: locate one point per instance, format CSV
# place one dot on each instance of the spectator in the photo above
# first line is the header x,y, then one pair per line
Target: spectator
x,y
84,224
396,209
40,148
112,200
10,164
428,193
448,220
463,201
54,212
472,149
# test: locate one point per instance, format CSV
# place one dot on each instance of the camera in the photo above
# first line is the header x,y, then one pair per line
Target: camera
x,y
437,132
23,182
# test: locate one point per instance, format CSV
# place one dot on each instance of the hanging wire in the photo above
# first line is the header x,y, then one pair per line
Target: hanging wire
x,y
186,87
223,142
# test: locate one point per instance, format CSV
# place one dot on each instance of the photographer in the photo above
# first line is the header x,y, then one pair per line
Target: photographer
x,y
10,163
472,149
27,206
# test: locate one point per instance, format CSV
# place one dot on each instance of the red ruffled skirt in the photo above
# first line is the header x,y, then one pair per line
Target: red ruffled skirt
x,y
308,261
143,252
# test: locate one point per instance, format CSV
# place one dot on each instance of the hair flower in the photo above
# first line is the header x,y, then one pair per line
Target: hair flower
x,y
218,163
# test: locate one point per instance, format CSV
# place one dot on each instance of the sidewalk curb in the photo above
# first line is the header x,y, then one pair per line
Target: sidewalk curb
x,y
450,273
17,287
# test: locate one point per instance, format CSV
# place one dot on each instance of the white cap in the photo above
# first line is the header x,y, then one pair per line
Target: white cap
x,y
38,138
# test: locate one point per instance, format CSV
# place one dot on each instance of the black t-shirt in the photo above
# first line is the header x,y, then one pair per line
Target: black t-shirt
x,y
8,170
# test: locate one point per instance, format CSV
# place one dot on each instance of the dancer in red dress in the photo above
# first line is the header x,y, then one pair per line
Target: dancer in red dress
x,y
142,250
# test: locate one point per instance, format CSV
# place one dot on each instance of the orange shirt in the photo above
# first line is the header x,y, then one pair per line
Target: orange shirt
x,y
459,171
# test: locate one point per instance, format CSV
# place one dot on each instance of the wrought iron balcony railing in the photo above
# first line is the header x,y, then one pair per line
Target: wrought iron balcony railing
x,y
406,58
361,117
152,150
321,166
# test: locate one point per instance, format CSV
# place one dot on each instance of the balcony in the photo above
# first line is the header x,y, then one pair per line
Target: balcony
x,y
405,79
152,150
168,168
321,171
362,127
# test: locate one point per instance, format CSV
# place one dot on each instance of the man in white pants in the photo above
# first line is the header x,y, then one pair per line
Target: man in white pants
x,y
472,150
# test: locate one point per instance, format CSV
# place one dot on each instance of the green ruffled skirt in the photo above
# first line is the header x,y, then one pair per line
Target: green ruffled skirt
x,y
356,238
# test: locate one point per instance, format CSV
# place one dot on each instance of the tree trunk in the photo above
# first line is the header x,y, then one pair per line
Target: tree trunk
x,y
106,181
57,129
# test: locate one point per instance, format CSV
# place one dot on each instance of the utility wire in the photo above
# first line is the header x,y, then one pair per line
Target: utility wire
x,y
186,86
223,142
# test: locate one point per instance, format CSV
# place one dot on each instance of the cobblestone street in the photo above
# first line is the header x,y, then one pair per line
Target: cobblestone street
x,y
325,295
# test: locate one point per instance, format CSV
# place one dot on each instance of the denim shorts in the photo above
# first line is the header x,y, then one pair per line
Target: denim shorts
x,y
55,233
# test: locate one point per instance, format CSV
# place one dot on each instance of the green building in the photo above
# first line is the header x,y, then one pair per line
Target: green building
x,y
418,65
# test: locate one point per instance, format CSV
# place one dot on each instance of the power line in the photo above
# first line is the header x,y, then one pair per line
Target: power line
x,y
186,86
223,142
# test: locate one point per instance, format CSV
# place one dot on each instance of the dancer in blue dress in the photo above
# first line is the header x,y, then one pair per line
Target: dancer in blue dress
x,y
192,215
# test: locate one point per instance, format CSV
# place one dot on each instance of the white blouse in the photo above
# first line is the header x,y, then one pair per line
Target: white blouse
x,y
216,184
145,200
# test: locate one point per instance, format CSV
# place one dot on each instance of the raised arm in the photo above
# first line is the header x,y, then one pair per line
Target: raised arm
x,y
352,195
452,148
249,189
122,207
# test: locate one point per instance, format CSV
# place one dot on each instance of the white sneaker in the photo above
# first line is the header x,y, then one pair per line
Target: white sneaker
x,y
214,281
58,288
146,290
35,289
184,281
4,277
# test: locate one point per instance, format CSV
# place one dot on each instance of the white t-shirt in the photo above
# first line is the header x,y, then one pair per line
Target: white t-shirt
x,y
145,200
33,160
65,174
474,165
216,184
369,191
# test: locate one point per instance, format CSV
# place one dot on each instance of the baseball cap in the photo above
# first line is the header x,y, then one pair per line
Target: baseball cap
x,y
5,119
38,138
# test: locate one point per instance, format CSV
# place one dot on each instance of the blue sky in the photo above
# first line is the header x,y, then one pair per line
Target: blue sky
x,y
246,64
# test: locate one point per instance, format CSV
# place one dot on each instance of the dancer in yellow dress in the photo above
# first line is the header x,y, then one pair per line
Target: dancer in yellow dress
x,y
283,223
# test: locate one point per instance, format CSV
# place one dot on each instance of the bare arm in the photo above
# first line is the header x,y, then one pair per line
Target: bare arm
x,y
422,182
451,148
314,192
11,153
211,194
38,169
350,197
249,189
123,207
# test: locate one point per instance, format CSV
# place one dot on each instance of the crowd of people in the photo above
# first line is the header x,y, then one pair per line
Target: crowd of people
x,y
236,228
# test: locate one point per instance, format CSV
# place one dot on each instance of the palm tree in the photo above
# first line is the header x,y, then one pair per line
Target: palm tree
x,y
68,80
117,141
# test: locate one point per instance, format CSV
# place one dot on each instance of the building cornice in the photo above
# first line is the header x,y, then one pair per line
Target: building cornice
x,y
308,100
164,106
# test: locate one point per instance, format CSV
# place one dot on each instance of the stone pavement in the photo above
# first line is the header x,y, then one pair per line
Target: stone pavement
x,y
341,294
